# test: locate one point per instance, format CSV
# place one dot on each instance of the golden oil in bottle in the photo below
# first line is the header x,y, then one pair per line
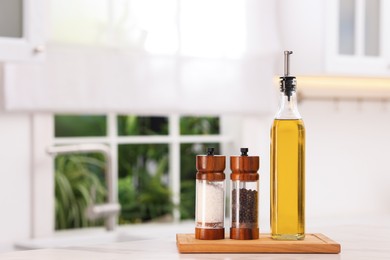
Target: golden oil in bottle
x,y
288,179
287,164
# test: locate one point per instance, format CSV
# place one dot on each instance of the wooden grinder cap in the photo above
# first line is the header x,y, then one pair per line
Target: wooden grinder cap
x,y
210,167
244,167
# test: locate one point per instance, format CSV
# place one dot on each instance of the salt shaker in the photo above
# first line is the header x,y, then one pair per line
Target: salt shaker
x,y
244,199
210,196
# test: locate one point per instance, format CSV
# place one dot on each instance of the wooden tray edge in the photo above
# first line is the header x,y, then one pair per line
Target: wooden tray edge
x,y
331,247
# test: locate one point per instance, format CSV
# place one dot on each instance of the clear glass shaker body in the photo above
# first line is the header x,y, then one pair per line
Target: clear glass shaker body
x,y
244,204
210,204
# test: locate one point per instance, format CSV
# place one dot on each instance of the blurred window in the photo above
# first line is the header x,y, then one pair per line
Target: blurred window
x,y
347,27
372,28
80,125
359,27
145,148
199,125
142,125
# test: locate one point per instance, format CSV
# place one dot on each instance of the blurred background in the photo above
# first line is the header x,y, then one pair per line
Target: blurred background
x,y
158,82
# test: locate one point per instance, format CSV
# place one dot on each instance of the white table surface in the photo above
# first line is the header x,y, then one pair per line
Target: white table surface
x,y
360,238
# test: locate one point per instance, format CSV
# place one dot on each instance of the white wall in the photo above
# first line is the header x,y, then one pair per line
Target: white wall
x,y
347,157
15,162
302,28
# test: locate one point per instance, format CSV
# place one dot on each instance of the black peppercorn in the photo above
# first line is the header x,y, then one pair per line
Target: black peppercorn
x,y
246,207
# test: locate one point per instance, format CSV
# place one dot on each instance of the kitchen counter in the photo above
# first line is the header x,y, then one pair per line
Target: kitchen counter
x,y
364,238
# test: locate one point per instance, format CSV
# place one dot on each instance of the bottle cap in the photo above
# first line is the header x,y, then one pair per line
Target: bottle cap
x,y
287,82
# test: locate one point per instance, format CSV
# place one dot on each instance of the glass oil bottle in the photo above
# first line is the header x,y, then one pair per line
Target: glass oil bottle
x,y
287,164
210,196
244,196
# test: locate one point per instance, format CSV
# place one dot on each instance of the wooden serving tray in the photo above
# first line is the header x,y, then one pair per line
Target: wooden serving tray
x,y
313,243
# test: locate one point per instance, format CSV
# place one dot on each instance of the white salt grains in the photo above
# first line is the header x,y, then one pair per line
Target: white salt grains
x,y
210,204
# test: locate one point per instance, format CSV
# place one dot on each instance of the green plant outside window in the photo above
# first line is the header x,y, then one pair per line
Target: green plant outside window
x,y
190,125
143,182
137,125
80,125
79,181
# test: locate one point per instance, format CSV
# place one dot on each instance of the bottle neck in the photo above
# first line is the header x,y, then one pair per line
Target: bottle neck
x,y
288,106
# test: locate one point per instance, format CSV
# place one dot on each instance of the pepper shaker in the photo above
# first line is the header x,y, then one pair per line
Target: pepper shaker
x,y
210,196
244,199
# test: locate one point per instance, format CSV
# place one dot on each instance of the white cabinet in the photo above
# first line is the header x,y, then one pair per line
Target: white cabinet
x,y
337,37
22,26
358,33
